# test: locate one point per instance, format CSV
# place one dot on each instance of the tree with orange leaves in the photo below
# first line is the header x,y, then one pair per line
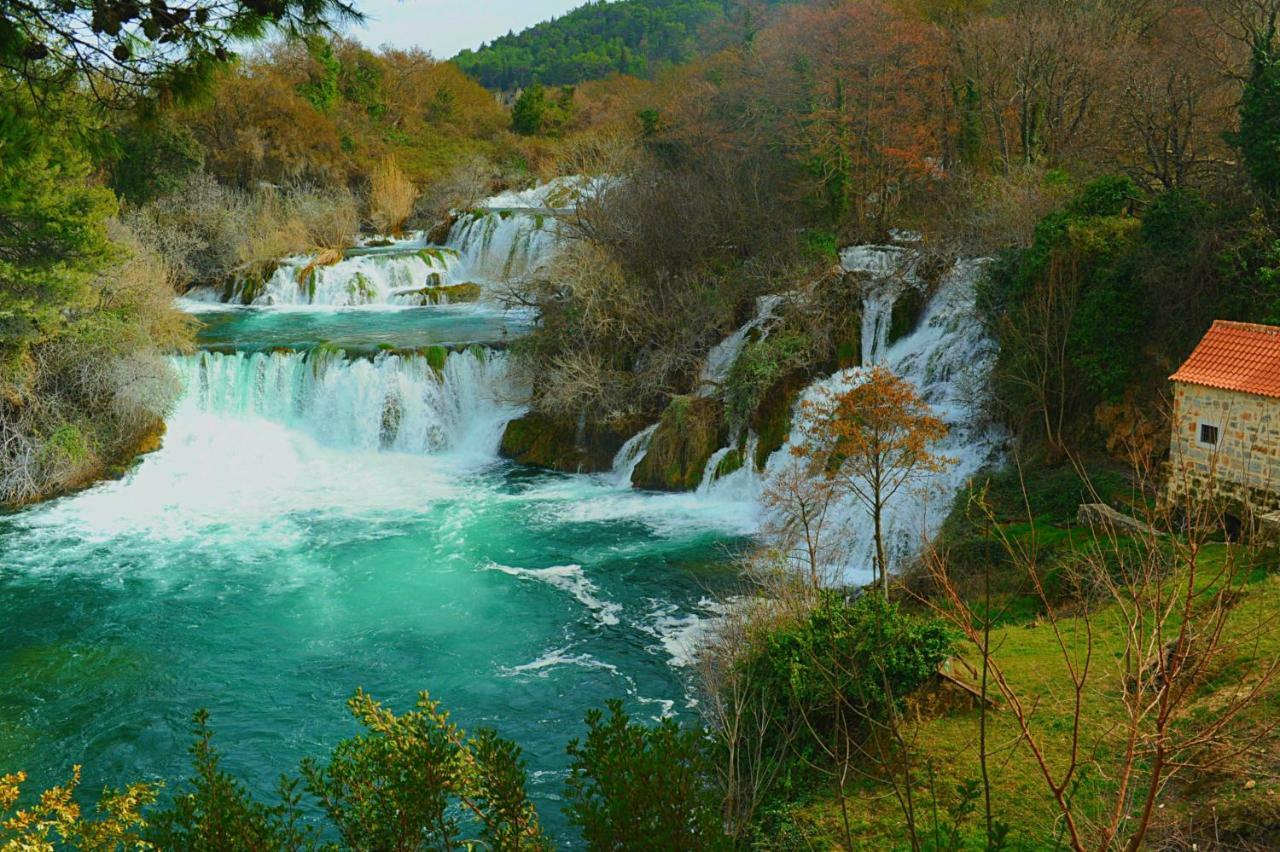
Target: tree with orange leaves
x,y
857,85
870,440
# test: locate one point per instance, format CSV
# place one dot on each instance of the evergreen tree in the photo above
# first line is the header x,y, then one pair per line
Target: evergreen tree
x,y
123,48
1259,136
530,111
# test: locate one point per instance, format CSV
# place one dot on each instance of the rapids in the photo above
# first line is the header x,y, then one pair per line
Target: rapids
x,y
329,511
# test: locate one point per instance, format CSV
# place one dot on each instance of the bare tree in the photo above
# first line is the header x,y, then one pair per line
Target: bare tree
x,y
1171,612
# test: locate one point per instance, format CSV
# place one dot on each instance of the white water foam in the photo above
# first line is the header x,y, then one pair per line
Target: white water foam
x,y
556,658
570,579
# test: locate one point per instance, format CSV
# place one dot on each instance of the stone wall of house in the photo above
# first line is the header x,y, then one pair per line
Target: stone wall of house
x,y
1244,467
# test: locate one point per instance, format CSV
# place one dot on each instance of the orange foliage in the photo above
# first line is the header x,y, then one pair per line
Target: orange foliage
x,y
871,440
259,126
870,79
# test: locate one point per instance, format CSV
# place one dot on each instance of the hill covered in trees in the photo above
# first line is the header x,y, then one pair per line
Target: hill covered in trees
x,y
598,39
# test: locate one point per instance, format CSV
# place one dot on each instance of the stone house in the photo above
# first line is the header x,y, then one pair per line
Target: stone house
x,y
1226,422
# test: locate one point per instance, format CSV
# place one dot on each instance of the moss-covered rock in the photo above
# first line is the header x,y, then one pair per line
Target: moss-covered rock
x,y
541,441
731,463
252,283
439,232
691,430
436,255
359,288
849,343
151,439
771,421
450,294
436,356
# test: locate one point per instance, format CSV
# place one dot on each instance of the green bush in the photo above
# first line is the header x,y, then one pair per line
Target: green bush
x,y
413,781
217,812
758,368
865,653
828,674
635,786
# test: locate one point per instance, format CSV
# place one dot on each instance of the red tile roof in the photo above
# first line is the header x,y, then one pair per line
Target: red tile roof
x,y
1236,356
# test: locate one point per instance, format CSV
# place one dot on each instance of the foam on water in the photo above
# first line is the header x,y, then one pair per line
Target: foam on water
x,y
948,358
567,578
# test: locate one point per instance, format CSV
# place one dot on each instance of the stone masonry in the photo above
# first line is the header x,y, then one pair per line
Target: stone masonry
x,y
1225,447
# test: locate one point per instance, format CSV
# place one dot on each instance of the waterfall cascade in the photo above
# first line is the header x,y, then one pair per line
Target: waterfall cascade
x,y
392,402
406,273
721,357
507,237
948,358
511,235
629,456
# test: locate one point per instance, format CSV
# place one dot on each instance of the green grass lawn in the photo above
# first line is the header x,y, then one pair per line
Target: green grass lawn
x,y
1218,801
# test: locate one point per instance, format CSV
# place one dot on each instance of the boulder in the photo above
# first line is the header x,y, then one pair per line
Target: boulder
x,y
771,421
691,430
547,442
450,294
439,233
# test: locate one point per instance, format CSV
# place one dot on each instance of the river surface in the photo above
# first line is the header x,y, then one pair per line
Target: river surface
x,y
317,522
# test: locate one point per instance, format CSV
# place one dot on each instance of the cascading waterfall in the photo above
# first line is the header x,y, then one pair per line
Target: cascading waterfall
x,y
403,274
742,485
948,358
721,357
508,237
392,402
629,456
503,245
889,271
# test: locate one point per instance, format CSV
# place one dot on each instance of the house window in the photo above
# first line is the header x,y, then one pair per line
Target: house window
x,y
1208,435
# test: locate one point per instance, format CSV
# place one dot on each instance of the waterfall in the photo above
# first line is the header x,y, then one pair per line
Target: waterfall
x,y
392,402
888,270
629,456
511,235
402,274
742,485
504,245
507,237
948,358
721,357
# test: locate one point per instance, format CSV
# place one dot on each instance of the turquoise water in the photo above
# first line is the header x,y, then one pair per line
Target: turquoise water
x,y
316,525
357,329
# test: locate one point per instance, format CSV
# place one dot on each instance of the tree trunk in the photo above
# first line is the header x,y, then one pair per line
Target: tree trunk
x,y
881,568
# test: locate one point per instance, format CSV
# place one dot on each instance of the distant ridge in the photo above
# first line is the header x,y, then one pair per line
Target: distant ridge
x,y
598,39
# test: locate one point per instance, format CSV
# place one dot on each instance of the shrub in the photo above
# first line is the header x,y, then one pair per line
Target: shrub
x,y
634,786
82,399
216,235
57,818
217,812
417,781
759,367
413,781
391,197
865,653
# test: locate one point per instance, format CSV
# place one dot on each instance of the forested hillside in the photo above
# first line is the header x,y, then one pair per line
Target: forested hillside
x,y
634,37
